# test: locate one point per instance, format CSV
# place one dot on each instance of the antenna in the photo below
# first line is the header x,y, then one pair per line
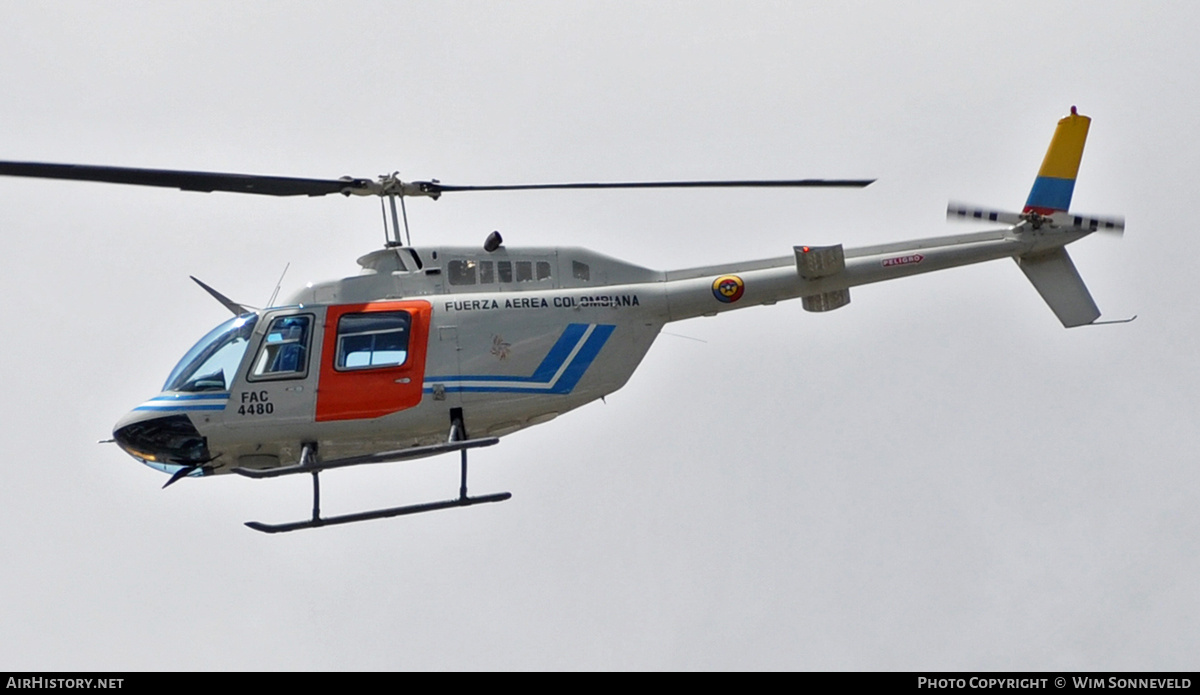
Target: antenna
x,y
271,301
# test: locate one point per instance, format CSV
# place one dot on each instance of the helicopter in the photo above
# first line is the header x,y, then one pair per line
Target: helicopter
x,y
440,349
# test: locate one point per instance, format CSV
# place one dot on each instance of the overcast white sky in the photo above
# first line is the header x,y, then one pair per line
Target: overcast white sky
x,y
938,476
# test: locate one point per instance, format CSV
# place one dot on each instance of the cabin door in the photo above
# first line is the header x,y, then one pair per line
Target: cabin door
x,y
373,359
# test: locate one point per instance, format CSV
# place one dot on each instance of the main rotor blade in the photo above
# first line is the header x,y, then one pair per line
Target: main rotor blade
x,y
435,187
188,180
207,182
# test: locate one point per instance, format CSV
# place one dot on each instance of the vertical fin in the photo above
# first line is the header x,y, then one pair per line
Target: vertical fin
x,y
1056,179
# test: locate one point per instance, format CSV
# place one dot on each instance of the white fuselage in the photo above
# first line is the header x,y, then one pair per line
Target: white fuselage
x,y
504,340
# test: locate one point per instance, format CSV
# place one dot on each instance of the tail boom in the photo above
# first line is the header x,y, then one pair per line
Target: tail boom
x,y
1036,239
690,293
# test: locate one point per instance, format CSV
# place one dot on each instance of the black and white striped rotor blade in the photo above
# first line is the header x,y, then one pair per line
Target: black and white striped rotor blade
x,y
1111,224
972,213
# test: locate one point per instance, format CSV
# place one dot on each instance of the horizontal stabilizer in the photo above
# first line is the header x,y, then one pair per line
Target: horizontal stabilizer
x,y
1055,278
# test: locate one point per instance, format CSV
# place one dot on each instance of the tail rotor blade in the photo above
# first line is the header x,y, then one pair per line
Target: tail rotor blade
x,y
963,211
1112,224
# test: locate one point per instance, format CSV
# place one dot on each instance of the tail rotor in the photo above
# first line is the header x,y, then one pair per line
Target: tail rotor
x,y
1113,224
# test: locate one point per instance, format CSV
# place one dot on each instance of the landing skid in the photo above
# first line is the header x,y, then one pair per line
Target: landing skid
x,y
309,463
377,514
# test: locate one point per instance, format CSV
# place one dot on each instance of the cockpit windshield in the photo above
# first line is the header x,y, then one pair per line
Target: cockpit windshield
x,y
212,363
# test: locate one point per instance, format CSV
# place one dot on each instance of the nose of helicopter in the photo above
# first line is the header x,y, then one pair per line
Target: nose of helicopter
x,y
166,441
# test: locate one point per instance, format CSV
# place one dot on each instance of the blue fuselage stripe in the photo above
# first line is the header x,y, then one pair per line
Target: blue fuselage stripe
x,y
545,371
583,360
180,407
559,353
192,397
542,380
187,401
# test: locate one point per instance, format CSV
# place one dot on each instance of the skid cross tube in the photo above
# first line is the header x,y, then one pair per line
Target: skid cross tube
x,y
381,457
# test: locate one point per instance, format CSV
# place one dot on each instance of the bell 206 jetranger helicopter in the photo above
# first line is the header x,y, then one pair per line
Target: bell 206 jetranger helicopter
x,y
431,350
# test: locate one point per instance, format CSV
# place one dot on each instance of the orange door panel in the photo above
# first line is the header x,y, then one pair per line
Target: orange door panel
x,y
373,359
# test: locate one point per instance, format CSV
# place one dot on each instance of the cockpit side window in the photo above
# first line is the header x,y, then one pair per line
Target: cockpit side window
x,y
371,340
284,351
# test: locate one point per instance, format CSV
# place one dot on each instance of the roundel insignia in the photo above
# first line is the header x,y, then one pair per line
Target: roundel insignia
x,y
728,288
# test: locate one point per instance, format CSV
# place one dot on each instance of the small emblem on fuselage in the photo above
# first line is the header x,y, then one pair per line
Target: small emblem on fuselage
x,y
728,288
500,348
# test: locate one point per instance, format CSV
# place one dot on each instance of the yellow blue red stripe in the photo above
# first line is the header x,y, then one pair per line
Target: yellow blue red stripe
x,y
1055,182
